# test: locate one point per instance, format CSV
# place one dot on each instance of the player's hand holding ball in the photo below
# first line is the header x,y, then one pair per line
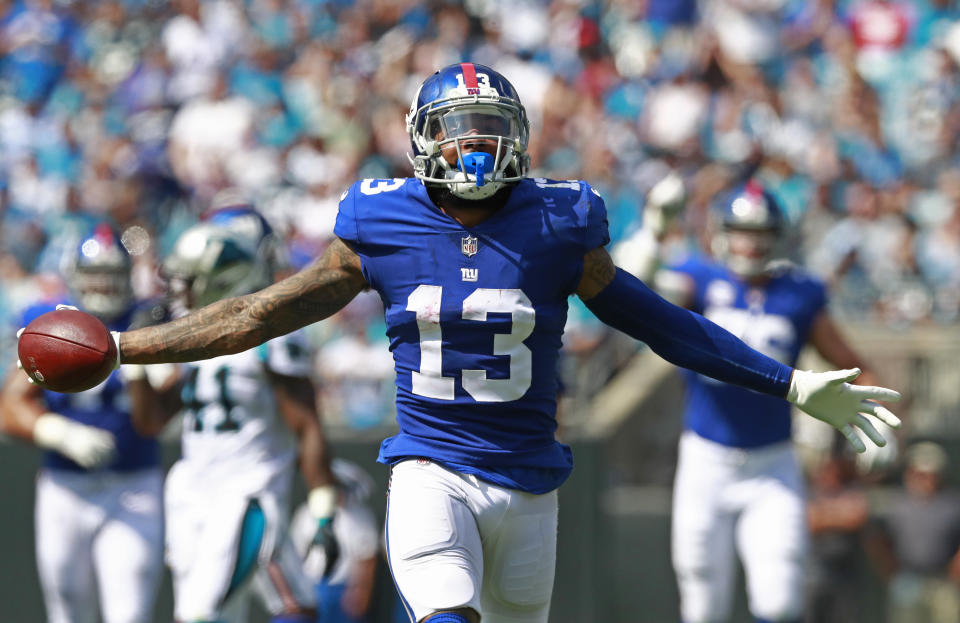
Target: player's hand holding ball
x,y
830,397
67,350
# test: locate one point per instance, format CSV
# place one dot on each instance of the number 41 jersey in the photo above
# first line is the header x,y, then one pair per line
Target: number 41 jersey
x,y
233,431
475,318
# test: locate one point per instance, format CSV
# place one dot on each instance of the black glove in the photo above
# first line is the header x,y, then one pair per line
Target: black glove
x,y
325,538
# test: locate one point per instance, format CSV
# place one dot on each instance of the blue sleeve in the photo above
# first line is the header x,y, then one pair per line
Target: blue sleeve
x,y
347,227
596,227
686,339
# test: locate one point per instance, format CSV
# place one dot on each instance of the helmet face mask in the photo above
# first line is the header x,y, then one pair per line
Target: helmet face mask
x,y
752,223
212,261
468,109
750,251
99,274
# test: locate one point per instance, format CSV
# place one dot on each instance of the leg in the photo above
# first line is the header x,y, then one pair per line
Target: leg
x,y
282,584
433,543
702,534
65,524
772,540
128,550
520,553
203,535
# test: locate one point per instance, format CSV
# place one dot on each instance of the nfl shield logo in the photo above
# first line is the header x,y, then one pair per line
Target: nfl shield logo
x,y
468,245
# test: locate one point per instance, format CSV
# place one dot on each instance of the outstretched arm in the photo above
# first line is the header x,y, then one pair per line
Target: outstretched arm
x,y
691,341
680,336
237,324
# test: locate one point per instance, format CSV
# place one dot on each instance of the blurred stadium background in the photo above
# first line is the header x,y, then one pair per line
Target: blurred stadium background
x,y
139,112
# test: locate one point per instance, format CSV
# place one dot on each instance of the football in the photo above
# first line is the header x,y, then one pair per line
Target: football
x,y
67,351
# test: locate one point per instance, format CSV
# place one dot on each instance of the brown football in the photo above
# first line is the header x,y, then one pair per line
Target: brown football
x,y
67,351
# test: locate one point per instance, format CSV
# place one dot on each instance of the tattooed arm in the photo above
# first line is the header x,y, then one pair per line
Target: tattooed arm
x,y
598,272
240,323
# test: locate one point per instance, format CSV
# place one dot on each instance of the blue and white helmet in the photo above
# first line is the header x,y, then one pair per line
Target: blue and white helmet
x,y
98,274
751,226
469,131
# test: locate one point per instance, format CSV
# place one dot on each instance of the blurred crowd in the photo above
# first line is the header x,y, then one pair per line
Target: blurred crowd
x,y
139,112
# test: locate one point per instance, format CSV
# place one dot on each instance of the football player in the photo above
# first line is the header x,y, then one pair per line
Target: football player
x,y
739,488
98,514
344,587
247,418
474,262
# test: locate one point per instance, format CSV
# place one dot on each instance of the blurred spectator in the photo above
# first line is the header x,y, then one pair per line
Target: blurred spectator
x,y
356,372
917,546
206,134
837,512
197,40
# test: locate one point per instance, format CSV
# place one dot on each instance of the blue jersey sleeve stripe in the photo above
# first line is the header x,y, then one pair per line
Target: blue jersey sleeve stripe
x,y
686,339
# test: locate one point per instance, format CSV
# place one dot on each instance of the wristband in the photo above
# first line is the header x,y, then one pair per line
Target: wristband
x,y
322,501
116,340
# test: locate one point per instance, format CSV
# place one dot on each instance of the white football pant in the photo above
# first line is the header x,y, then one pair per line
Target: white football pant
x,y
99,534
730,501
203,537
455,541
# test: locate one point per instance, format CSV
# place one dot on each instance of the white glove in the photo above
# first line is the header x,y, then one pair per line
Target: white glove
x,y
664,202
87,446
829,396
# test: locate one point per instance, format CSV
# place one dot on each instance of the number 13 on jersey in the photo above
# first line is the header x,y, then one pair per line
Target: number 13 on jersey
x,y
429,381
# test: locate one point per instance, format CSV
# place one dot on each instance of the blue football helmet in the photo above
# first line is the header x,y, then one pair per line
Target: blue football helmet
x,y
98,274
751,226
469,131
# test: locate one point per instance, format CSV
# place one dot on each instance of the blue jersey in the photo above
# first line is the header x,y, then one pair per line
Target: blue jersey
x,y
474,317
105,406
774,319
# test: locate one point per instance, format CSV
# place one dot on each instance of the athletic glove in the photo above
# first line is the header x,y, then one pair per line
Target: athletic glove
x,y
322,502
830,397
86,446
664,202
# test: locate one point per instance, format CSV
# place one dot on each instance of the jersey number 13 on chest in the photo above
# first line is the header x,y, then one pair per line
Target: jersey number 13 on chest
x,y
429,381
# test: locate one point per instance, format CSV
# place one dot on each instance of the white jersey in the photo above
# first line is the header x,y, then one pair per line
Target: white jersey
x,y
232,428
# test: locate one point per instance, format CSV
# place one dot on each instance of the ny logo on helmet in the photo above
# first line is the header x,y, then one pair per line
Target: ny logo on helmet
x,y
468,245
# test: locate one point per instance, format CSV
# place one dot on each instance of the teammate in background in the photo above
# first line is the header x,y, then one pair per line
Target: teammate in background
x,y
739,488
247,417
98,515
474,263
345,582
